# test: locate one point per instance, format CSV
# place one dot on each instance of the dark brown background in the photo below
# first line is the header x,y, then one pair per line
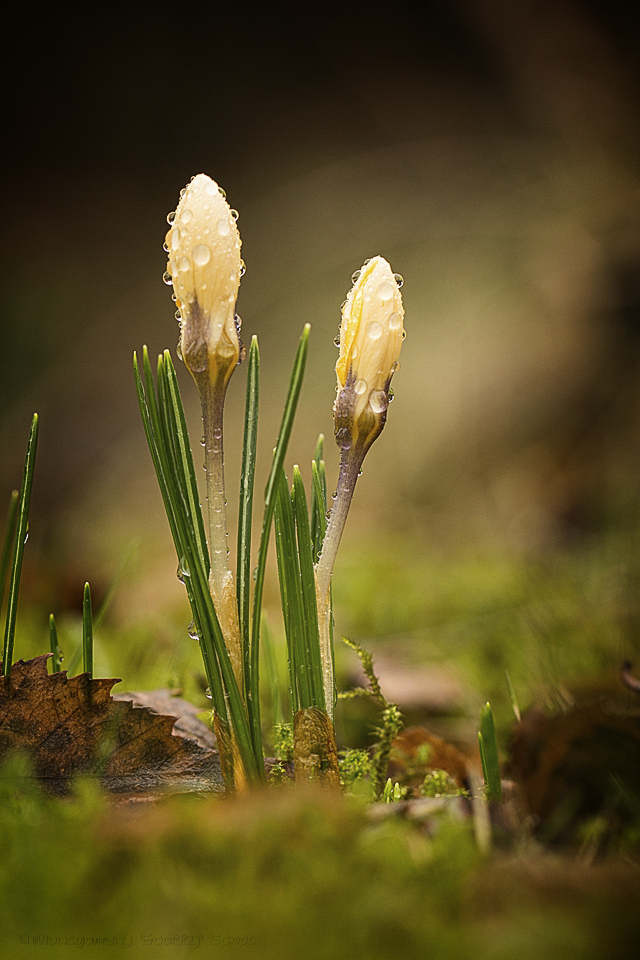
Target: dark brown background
x,y
488,149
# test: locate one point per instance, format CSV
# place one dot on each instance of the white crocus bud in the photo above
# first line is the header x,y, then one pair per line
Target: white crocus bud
x,y
371,336
205,267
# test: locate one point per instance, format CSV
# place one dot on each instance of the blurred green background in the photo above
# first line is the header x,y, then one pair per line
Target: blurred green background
x,y
489,151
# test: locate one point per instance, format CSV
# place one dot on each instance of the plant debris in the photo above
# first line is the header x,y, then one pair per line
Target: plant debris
x,y
73,726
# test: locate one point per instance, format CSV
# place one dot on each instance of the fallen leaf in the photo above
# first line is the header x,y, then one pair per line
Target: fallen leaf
x,y
73,726
568,764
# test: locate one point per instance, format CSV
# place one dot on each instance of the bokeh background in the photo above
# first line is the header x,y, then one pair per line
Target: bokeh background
x,y
488,149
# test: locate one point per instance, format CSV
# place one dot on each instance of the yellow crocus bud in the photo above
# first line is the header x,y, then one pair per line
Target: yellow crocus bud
x,y
371,336
205,267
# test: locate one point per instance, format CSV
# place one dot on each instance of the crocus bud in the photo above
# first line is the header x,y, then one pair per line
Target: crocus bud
x,y
204,266
371,335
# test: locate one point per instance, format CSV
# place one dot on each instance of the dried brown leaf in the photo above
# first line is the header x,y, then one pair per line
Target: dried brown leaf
x,y
73,726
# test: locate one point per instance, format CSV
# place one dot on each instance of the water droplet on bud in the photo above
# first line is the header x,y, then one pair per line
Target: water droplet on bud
x,y
374,330
201,255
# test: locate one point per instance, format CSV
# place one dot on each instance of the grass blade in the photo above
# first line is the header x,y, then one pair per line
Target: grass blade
x,y
87,632
308,589
165,428
318,499
489,754
245,508
291,597
9,534
56,663
291,403
18,553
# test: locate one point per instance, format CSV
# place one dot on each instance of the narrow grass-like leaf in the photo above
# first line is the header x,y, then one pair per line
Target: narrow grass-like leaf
x,y
318,507
489,754
18,553
318,499
291,403
7,543
245,505
56,662
270,661
165,428
308,584
87,631
291,597
185,461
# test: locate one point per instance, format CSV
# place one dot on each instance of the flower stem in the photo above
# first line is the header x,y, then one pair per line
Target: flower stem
x,y
220,577
350,464
212,406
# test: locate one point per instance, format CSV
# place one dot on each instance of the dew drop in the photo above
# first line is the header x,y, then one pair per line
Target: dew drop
x,y
171,216
192,631
208,694
234,214
201,255
385,290
182,192
355,276
60,656
211,188
217,433
334,495
378,401
223,193
254,575
186,216
202,441
398,279
165,247
184,264
395,321
354,351
224,227
243,268
168,279
395,366
391,395
374,330
404,334
174,297
179,351
360,387
336,342
196,356
178,316
343,438
175,240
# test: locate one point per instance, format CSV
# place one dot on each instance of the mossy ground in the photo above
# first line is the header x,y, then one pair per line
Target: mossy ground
x,y
289,873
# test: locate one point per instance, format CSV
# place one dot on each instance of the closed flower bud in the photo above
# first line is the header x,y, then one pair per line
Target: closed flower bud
x,y
204,266
371,335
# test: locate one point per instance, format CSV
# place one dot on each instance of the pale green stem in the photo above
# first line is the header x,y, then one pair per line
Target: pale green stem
x,y
350,464
212,399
